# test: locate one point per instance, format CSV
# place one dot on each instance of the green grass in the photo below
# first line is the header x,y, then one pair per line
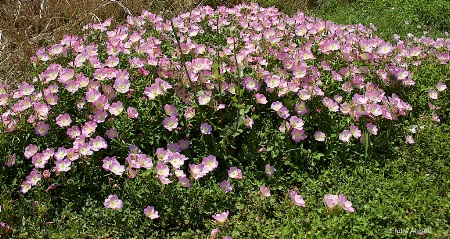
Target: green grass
x,y
389,16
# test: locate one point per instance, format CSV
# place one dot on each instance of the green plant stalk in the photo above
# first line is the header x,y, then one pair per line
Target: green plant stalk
x,y
366,144
237,85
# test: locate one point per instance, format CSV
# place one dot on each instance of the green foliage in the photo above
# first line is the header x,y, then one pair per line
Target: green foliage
x,y
392,185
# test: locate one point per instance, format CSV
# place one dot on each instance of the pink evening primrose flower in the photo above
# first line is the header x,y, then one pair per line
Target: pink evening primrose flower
x,y
42,128
354,130
170,123
63,165
25,187
184,181
113,202
132,113
235,173
345,136
409,139
209,163
433,94
345,204
170,110
298,135
122,85
265,191
319,136
372,128
226,186
270,170
205,128
34,177
214,233
297,199
111,133
260,99
221,217
63,120
331,200
248,122
30,151
150,212
441,86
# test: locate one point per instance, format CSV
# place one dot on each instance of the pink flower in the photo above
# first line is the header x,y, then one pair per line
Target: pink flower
x,y
184,181
221,217
248,122
270,170
111,133
150,212
209,163
331,200
34,177
170,110
298,135
372,128
162,170
265,191
42,128
26,89
319,136
116,168
122,85
184,144
261,99
88,128
107,162
10,160
204,99
113,202
170,123
132,113
354,130
189,113
296,122
441,86
345,204
205,128
225,185
30,151
345,136
63,165
276,106
196,171
235,173
98,143
25,187
177,159
433,94
116,108
409,139
214,233
92,95
73,132
297,199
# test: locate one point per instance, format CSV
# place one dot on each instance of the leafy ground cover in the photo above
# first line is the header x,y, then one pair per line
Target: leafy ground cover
x,y
241,121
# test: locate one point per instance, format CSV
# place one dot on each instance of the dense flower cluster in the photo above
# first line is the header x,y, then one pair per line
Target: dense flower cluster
x,y
89,87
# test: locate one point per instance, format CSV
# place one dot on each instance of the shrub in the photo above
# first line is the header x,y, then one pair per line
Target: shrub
x,y
209,92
